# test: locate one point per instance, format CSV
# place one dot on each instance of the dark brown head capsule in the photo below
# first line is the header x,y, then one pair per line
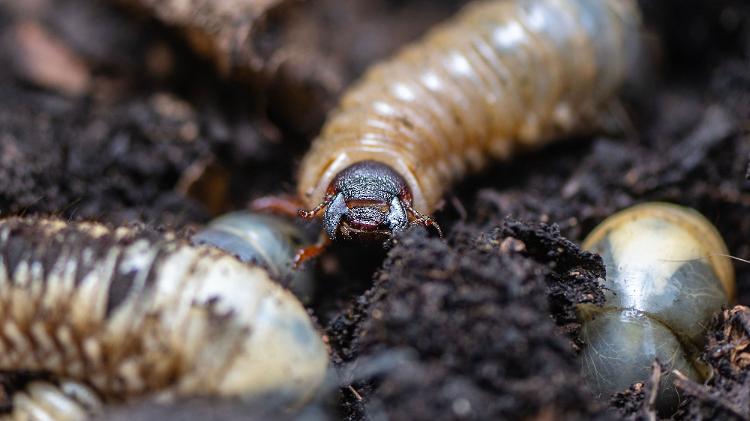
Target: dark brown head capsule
x,y
368,200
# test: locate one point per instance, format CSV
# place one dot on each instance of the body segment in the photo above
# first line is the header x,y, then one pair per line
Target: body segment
x,y
133,313
667,274
501,76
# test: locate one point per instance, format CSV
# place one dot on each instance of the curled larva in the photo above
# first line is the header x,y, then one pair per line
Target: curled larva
x,y
266,240
221,30
131,313
667,274
502,76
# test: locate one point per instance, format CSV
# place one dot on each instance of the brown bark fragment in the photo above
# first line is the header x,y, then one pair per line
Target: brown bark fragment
x,y
43,60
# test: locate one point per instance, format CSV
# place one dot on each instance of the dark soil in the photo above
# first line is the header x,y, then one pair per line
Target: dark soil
x,y
478,325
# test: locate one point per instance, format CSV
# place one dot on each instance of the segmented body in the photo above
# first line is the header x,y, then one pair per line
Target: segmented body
x,y
60,401
503,75
132,313
667,274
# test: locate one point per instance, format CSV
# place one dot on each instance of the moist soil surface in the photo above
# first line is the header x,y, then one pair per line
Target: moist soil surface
x,y
135,126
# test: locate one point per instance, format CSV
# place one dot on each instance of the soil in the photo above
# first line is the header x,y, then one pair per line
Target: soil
x,y
136,126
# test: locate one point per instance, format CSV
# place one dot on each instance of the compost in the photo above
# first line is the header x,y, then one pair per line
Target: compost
x,y
136,124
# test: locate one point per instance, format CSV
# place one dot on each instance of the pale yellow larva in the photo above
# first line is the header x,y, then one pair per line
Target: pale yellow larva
x,y
668,273
131,313
501,76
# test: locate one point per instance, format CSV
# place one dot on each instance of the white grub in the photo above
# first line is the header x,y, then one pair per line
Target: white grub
x,y
132,313
667,275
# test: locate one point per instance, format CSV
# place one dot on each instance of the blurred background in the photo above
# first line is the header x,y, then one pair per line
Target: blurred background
x,y
172,112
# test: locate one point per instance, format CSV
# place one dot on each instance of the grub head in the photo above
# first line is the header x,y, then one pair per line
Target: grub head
x,y
367,200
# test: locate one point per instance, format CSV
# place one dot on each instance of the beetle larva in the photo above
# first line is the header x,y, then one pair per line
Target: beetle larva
x,y
68,401
667,274
266,240
502,76
132,313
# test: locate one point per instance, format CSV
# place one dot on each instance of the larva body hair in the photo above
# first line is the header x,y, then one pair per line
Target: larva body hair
x,y
131,312
668,273
501,76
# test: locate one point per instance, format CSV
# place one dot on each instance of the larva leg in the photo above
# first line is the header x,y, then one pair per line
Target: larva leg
x,y
281,205
422,219
310,252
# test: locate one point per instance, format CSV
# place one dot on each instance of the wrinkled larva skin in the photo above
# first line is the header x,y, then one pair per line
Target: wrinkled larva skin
x,y
667,274
132,313
501,76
